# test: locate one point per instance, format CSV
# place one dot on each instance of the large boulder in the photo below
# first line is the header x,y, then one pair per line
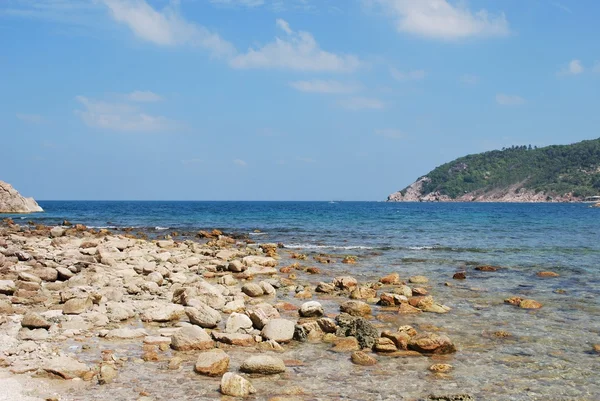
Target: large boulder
x,y
11,201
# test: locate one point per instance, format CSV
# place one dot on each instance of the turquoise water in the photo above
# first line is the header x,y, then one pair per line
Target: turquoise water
x,y
549,355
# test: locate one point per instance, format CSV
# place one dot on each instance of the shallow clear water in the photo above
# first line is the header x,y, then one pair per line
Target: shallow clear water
x,y
548,357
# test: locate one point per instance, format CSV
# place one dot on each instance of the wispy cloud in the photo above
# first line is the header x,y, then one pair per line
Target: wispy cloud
x,y
166,27
562,7
240,162
573,68
31,118
297,51
143,97
470,79
407,75
439,19
509,100
239,3
328,87
123,117
390,133
362,103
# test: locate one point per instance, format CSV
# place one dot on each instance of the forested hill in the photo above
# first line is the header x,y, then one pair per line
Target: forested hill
x,y
518,173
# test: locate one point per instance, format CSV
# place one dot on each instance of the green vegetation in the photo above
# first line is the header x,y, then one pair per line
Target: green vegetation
x,y
554,170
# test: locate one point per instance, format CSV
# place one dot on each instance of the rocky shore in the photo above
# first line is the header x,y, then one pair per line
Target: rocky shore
x,y
84,306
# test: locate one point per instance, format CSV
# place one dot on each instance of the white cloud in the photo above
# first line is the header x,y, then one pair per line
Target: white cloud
x,y
329,87
143,96
166,27
31,118
362,103
573,68
469,79
297,51
440,19
509,100
121,117
243,3
407,75
390,133
240,162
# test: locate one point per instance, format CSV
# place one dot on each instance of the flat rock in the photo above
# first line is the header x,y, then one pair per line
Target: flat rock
x,y
7,287
280,330
418,280
76,306
65,367
236,386
33,320
530,304
430,343
362,358
356,308
263,364
548,274
125,333
163,313
191,338
214,362
238,339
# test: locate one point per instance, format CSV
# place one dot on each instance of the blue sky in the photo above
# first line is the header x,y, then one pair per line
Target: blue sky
x,y
282,99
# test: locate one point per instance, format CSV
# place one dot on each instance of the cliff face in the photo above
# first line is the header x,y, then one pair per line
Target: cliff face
x,y
12,202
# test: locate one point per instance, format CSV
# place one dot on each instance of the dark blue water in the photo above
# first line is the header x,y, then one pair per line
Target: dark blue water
x,y
550,235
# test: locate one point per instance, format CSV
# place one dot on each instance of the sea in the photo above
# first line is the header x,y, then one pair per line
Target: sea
x,y
547,353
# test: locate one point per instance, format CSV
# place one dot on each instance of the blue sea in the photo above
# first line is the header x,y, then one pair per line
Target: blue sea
x,y
549,355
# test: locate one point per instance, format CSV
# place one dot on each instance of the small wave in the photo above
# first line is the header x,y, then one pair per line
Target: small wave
x,y
159,228
311,246
103,227
257,234
421,248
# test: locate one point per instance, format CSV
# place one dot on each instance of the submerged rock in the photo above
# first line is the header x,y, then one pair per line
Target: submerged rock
x,y
429,343
529,304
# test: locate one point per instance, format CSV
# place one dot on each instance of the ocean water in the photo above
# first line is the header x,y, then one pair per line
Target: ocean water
x,y
548,356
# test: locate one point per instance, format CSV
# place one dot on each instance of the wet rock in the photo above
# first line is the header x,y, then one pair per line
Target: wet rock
x,y
125,333
238,323
356,308
325,288
387,299
460,276
65,367
418,280
529,304
430,343
487,268
450,397
419,291
548,274
7,287
212,363
349,260
513,300
279,330
267,288
345,282
358,327
399,338
441,368
236,386
191,338
76,306
596,348
362,358
252,290
311,309
263,364
345,344
384,344
107,373
203,315
363,292
33,320
162,313
427,304
270,346
237,339
390,279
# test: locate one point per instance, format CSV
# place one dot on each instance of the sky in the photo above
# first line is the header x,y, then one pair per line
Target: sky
x,y
282,99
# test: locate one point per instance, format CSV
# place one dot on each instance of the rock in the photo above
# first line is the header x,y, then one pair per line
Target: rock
x,y
57,232
345,282
252,290
117,312
400,338
65,367
529,304
419,291
64,274
327,325
403,290
358,327
6,308
451,397
22,256
163,313
513,300
236,266
384,344
260,314
356,308
346,344
26,334
11,201
418,280
107,373
203,315
7,287
311,309
237,339
236,386
427,304
393,278
33,320
387,299
363,292
279,330
238,323
596,348
486,268
76,306
441,368
28,277
191,338
47,274
126,333
362,358
429,343
460,276
263,364
214,362
548,274
325,288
